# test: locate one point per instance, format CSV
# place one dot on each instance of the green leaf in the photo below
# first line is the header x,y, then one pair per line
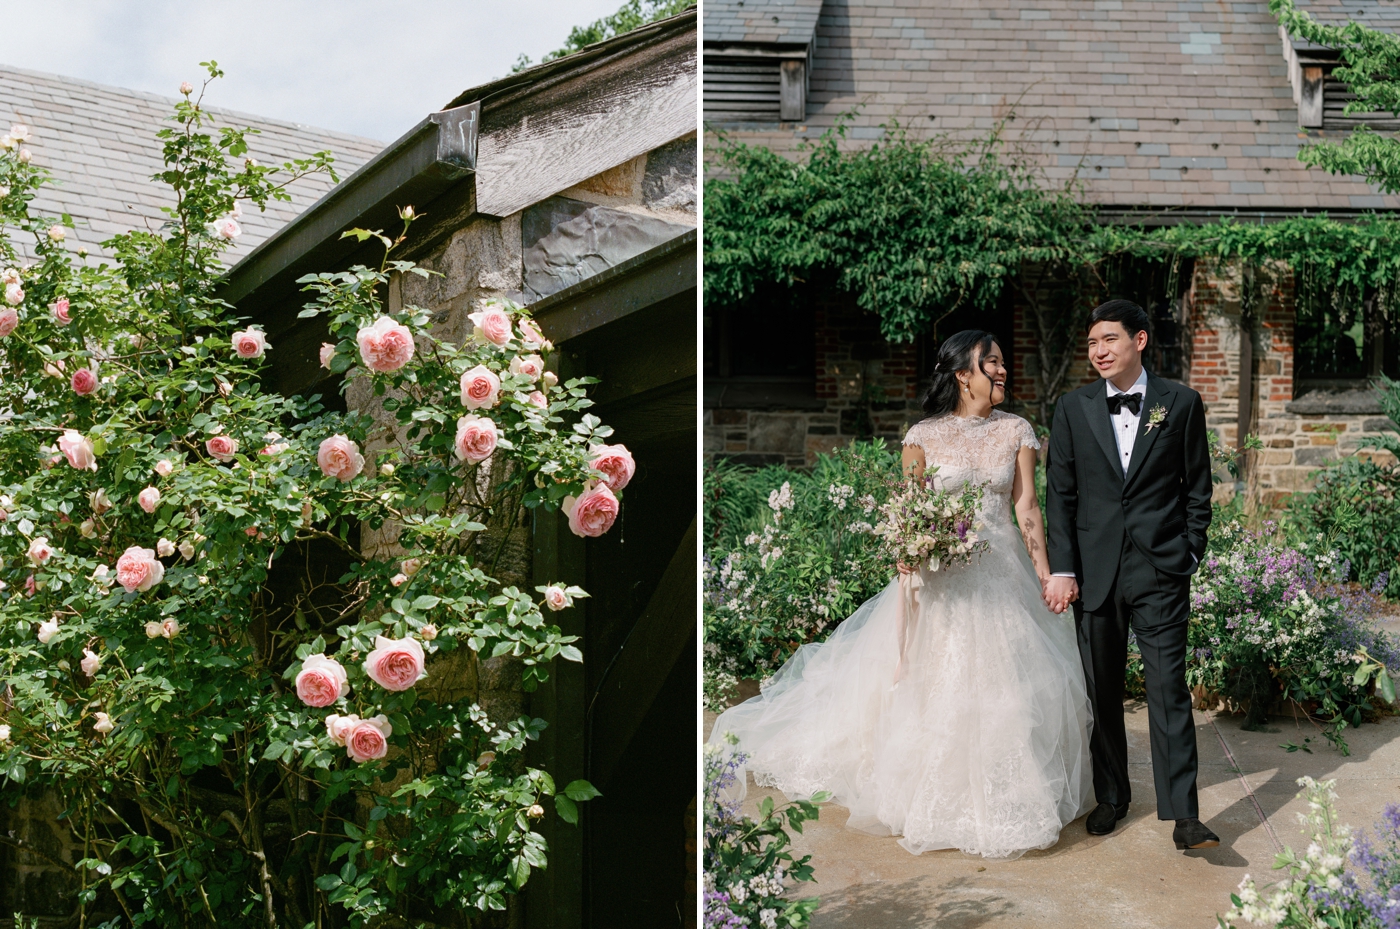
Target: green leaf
x,y
581,791
519,872
426,602
1386,686
565,808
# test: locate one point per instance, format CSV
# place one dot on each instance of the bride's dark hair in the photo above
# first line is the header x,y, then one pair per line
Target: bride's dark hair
x,y
954,355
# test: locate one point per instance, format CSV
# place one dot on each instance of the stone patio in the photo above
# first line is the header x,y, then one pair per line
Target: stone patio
x,y
1132,878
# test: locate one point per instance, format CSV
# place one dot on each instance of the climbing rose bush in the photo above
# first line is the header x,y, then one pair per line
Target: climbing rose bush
x,y
243,712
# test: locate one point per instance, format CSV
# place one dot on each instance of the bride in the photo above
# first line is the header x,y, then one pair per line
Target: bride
x,y
983,744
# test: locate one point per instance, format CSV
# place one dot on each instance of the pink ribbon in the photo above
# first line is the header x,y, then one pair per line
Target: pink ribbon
x,y
909,585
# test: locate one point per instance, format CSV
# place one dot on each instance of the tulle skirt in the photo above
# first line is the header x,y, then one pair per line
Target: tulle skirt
x,y
982,744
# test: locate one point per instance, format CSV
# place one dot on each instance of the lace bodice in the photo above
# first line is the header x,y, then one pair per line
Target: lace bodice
x,y
977,450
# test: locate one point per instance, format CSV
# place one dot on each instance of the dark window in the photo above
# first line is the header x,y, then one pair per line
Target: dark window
x,y
1340,339
770,335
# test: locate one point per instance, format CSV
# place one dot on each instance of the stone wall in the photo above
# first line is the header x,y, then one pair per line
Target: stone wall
x,y
864,387
1300,434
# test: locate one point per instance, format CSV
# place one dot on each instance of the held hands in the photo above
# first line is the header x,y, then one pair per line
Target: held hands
x,y
904,568
1059,592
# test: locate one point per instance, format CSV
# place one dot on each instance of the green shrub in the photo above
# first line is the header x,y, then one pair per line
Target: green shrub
x,y
787,560
1355,508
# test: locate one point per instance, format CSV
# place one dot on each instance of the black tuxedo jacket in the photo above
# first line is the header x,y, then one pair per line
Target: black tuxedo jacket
x,y
1162,504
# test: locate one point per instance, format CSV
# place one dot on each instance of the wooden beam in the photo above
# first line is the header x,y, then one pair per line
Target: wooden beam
x,y
524,158
792,90
1310,97
650,651
554,896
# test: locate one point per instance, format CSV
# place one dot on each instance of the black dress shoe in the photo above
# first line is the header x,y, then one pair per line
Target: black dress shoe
x,y
1192,833
1104,817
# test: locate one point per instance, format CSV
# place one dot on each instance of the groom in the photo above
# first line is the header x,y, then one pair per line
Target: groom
x,y
1127,506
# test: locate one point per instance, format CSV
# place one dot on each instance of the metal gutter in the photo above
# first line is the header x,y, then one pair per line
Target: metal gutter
x,y
431,157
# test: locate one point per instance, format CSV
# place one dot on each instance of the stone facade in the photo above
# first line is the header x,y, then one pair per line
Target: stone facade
x,y
864,387
867,387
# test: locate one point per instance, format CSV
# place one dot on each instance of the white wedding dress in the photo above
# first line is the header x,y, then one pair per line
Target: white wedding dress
x,y
984,744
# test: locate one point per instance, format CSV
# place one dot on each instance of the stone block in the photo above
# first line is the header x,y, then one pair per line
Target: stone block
x,y
1315,457
1325,427
821,445
782,433
714,442
856,423
619,184
729,417
1270,457
1281,443
1379,424
1324,440
1380,456
671,180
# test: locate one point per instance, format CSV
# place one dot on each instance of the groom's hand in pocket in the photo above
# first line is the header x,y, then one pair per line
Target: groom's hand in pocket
x,y
1059,592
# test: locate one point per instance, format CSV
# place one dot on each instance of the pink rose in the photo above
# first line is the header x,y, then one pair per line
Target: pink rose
x,y
57,233
616,463
538,399
481,388
340,458
327,353
186,88
59,309
385,346
222,447
250,343
90,663
476,438
9,319
532,366
428,632
321,681
339,727
368,739
164,467
227,229
40,550
170,628
556,599
83,382
530,332
77,448
149,499
14,294
164,547
592,514
395,664
398,580
139,569
492,325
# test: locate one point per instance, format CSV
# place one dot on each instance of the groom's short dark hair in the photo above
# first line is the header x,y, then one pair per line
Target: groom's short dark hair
x,y
1132,317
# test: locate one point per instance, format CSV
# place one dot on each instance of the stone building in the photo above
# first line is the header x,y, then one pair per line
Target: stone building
x,y
1162,112
571,187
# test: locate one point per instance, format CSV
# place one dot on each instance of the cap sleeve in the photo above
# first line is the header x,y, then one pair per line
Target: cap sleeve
x,y
1025,434
918,434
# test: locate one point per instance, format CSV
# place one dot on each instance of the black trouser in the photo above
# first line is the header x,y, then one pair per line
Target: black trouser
x,y
1158,606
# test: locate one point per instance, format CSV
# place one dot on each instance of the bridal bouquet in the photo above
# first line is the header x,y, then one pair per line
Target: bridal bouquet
x,y
920,524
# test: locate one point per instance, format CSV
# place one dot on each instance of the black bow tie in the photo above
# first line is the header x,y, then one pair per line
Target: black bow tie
x,y
1132,401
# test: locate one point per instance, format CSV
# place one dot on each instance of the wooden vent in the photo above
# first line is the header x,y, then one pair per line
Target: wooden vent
x,y
742,89
754,89
1335,97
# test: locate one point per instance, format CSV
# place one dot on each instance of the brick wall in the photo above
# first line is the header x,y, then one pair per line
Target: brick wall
x,y
865,387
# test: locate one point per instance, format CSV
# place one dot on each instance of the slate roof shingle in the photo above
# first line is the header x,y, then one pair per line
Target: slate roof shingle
x,y
100,144
783,22
1151,103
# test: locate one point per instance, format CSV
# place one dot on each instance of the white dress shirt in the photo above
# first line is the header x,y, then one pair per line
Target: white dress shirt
x,y
1125,421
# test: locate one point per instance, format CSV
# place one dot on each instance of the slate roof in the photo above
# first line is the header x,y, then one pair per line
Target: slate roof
x,y
785,22
99,142
1153,103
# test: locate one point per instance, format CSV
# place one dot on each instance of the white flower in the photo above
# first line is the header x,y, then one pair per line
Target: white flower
x,y
186,549
47,630
165,548
153,630
20,132
57,233
4,732
186,88
91,662
103,722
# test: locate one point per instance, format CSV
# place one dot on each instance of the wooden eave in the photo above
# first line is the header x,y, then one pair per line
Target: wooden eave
x,y
493,150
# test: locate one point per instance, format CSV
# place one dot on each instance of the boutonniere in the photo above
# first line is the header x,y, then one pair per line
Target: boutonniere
x,y
1155,417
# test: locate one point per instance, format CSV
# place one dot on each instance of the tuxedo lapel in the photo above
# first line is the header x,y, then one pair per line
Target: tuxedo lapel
x,y
1096,411
1158,394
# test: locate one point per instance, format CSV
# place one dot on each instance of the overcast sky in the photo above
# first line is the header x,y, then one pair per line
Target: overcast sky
x,y
368,68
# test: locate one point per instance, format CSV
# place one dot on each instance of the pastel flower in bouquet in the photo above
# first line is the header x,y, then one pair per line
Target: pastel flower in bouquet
x,y
922,525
